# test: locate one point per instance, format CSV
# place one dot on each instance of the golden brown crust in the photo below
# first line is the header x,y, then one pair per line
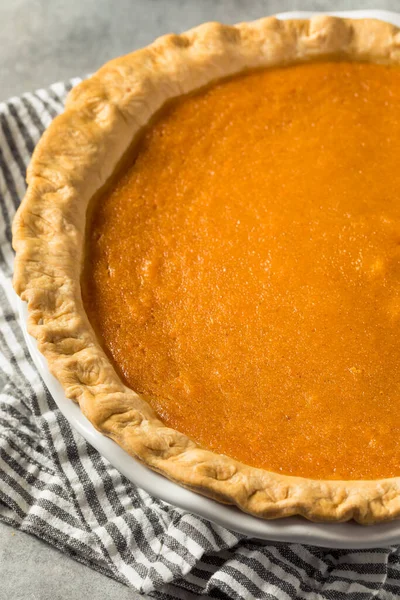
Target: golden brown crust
x,y
74,158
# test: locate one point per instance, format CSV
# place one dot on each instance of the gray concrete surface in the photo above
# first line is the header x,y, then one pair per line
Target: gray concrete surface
x,y
43,41
32,570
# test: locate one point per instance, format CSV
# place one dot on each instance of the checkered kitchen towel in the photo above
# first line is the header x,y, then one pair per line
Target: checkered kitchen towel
x,y
57,487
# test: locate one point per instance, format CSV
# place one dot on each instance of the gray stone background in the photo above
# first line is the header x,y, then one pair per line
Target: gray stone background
x,y
42,41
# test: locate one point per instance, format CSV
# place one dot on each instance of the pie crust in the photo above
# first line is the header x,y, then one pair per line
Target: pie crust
x,y
74,159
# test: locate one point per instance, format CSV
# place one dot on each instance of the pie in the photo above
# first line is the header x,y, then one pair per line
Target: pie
x,y
209,247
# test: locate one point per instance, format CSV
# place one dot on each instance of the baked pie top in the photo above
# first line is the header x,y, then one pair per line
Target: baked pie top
x,y
316,347
244,273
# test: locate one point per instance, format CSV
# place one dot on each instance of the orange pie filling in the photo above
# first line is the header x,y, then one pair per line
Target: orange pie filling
x,y
244,273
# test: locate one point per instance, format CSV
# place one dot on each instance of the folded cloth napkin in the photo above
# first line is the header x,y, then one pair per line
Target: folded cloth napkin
x,y
57,487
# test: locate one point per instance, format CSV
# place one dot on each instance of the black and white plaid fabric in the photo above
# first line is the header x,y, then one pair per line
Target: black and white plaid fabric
x,y
57,487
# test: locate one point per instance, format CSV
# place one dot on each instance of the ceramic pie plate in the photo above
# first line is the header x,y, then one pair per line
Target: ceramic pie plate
x,y
293,529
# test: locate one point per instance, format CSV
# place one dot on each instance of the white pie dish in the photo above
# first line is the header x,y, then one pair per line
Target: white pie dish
x,y
294,530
